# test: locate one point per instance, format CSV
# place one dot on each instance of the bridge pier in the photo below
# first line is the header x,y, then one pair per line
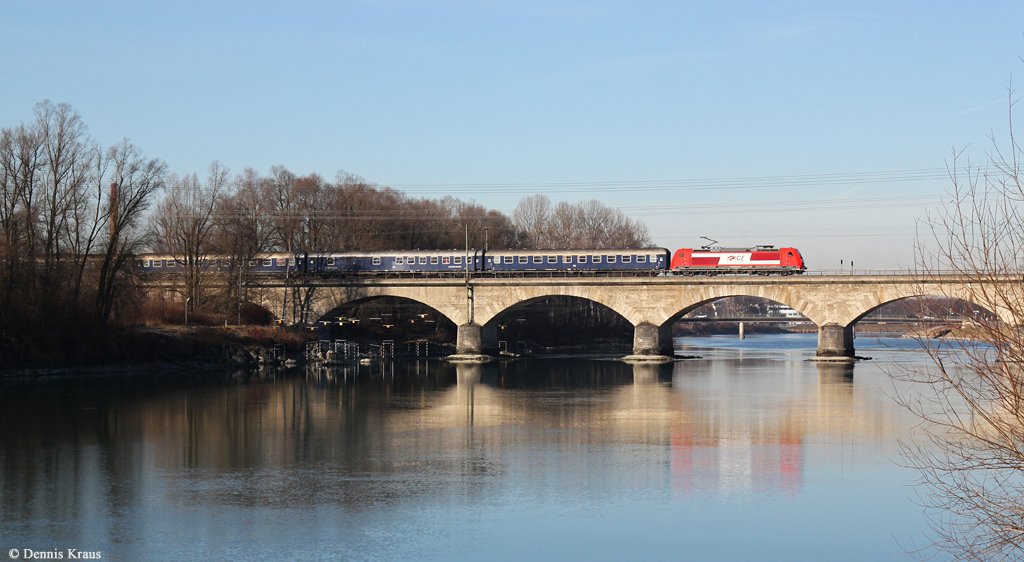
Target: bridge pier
x,y
835,341
470,340
473,338
649,339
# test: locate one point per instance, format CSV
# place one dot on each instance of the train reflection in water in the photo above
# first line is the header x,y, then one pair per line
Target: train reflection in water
x,y
709,447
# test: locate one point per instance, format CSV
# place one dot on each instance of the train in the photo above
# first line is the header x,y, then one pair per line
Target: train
x,y
759,260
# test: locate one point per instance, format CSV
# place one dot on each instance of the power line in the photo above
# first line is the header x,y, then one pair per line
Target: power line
x,y
702,184
753,182
788,205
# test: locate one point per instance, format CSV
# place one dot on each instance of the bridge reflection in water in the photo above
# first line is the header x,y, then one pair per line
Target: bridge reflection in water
x,y
751,440
374,440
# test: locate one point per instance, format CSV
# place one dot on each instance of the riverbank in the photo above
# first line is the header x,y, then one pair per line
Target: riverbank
x,y
973,333
156,351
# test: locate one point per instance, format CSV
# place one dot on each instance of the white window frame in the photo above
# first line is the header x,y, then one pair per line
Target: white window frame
x,y
375,260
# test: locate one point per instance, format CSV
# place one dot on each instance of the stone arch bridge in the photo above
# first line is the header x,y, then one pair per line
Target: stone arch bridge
x,y
651,304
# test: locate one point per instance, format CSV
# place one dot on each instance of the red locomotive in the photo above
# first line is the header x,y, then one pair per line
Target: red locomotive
x,y
756,260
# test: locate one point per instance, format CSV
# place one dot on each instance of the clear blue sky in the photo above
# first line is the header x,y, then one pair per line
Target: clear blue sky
x,y
480,94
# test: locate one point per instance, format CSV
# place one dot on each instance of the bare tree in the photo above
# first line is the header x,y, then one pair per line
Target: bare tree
x,y
136,181
68,167
532,216
285,204
183,226
587,224
20,164
565,227
970,447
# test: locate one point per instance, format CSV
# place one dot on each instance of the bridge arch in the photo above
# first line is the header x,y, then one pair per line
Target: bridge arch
x,y
962,296
552,318
500,299
697,305
388,318
445,303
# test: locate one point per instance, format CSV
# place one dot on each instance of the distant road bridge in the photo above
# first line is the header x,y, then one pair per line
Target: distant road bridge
x,y
651,303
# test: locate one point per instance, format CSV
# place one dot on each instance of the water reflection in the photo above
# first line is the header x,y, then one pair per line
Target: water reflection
x,y
109,464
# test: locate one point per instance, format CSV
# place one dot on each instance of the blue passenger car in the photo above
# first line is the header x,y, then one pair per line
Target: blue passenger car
x,y
437,261
260,264
595,260
424,261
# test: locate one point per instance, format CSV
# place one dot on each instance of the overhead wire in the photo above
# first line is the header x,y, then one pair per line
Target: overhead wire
x,y
643,210
752,182
700,184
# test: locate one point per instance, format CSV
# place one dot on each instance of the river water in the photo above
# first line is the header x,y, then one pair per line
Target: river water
x,y
748,453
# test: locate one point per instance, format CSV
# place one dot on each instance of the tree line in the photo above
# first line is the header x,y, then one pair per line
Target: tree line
x,y
250,214
66,238
74,213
